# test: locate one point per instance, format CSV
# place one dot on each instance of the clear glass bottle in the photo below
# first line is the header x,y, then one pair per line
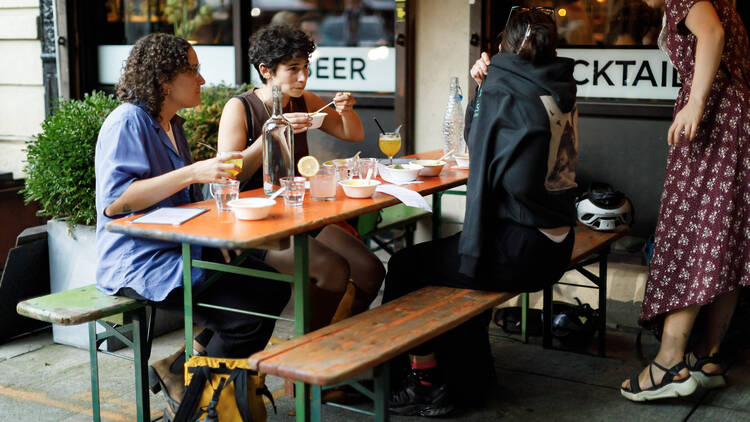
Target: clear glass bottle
x,y
453,121
278,146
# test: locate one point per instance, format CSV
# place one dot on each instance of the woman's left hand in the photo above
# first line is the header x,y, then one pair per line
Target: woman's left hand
x,y
685,123
300,121
344,102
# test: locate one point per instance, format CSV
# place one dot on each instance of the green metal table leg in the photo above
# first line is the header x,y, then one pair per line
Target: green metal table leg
x,y
316,409
94,372
301,316
187,288
436,214
140,362
382,392
524,316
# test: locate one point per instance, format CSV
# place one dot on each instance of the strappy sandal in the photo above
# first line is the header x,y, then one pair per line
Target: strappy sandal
x,y
667,388
705,379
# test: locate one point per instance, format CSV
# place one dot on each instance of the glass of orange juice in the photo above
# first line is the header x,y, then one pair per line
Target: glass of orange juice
x,y
390,144
236,161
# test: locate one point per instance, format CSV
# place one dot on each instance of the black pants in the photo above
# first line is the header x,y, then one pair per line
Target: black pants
x,y
521,259
231,335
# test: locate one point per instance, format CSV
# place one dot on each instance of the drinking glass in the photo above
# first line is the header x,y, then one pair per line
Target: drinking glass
x,y
323,184
225,191
344,167
390,144
365,164
294,193
236,161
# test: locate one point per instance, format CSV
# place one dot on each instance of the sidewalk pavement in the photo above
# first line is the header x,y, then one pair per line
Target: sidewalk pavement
x,y
41,381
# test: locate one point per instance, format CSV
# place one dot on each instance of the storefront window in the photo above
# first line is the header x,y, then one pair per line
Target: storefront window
x,y
614,45
354,37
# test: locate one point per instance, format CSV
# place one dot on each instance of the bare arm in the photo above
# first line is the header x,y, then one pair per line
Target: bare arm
x,y
345,123
233,136
702,21
144,193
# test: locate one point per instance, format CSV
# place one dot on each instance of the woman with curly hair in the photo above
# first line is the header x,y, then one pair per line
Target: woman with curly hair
x,y
143,162
341,265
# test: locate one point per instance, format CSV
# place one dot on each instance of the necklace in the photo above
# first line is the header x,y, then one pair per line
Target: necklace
x,y
263,101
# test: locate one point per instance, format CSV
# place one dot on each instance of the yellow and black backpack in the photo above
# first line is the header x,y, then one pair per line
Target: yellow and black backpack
x,y
222,390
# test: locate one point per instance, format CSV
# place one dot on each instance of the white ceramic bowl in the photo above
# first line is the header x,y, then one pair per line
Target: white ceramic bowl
x,y
462,161
317,119
407,172
359,188
251,208
431,167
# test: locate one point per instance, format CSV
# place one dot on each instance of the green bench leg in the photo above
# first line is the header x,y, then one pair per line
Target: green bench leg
x,y
382,392
140,364
524,316
94,372
316,405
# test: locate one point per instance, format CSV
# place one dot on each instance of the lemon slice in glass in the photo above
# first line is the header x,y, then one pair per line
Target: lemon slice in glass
x,y
308,166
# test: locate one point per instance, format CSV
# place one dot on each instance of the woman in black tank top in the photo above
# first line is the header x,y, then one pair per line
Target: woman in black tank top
x,y
340,264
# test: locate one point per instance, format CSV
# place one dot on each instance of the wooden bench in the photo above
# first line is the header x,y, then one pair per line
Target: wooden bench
x,y
118,315
337,353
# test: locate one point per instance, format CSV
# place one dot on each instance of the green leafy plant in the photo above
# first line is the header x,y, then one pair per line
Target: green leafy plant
x,y
202,121
186,16
60,160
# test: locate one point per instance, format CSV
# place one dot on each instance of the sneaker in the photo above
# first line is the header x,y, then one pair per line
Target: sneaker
x,y
414,398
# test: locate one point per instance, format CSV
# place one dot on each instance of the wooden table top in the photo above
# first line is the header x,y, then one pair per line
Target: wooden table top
x,y
223,230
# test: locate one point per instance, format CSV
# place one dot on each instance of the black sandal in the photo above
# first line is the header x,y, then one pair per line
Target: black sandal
x,y
705,379
667,388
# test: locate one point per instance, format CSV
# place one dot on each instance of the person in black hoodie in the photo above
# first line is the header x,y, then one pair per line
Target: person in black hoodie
x,y
518,225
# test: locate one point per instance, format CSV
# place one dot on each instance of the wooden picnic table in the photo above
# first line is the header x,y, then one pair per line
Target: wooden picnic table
x,y
222,230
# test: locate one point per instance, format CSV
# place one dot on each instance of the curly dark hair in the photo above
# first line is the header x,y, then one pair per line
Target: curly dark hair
x,y
276,44
154,60
541,45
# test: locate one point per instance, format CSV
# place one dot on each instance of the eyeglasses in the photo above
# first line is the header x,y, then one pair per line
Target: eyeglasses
x,y
520,9
194,69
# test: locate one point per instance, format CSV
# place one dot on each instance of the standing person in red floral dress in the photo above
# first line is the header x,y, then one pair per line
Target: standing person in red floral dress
x,y
702,251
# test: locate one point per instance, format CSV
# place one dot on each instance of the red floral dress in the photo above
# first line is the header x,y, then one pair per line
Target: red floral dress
x,y
702,247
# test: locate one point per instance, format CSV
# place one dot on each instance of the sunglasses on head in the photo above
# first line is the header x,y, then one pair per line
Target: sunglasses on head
x,y
522,9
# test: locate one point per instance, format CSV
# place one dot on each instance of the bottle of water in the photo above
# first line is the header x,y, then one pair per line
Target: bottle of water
x,y
453,122
278,147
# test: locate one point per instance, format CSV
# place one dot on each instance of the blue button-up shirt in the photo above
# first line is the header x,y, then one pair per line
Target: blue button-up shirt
x,y
133,146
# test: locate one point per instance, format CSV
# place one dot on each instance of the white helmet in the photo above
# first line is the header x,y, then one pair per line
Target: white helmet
x,y
603,208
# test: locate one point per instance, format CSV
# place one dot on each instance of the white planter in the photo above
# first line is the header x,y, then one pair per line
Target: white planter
x,y
72,263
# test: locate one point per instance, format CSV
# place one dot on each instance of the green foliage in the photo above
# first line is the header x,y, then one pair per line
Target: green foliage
x,y
60,161
186,16
202,121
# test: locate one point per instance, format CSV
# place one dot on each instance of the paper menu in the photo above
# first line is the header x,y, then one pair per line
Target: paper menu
x,y
169,215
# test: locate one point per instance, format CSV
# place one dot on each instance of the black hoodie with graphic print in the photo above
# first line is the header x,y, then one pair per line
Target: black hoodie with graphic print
x,y
521,130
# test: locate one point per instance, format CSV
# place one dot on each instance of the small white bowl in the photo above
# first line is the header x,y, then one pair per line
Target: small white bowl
x,y
251,208
317,120
407,172
462,161
359,188
431,167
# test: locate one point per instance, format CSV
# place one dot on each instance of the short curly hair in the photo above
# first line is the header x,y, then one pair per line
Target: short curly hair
x,y
154,60
276,44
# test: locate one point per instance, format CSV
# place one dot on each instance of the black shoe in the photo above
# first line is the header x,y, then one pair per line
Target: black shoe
x,y
414,398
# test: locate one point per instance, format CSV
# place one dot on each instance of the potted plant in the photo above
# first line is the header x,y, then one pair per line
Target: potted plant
x,y
60,177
